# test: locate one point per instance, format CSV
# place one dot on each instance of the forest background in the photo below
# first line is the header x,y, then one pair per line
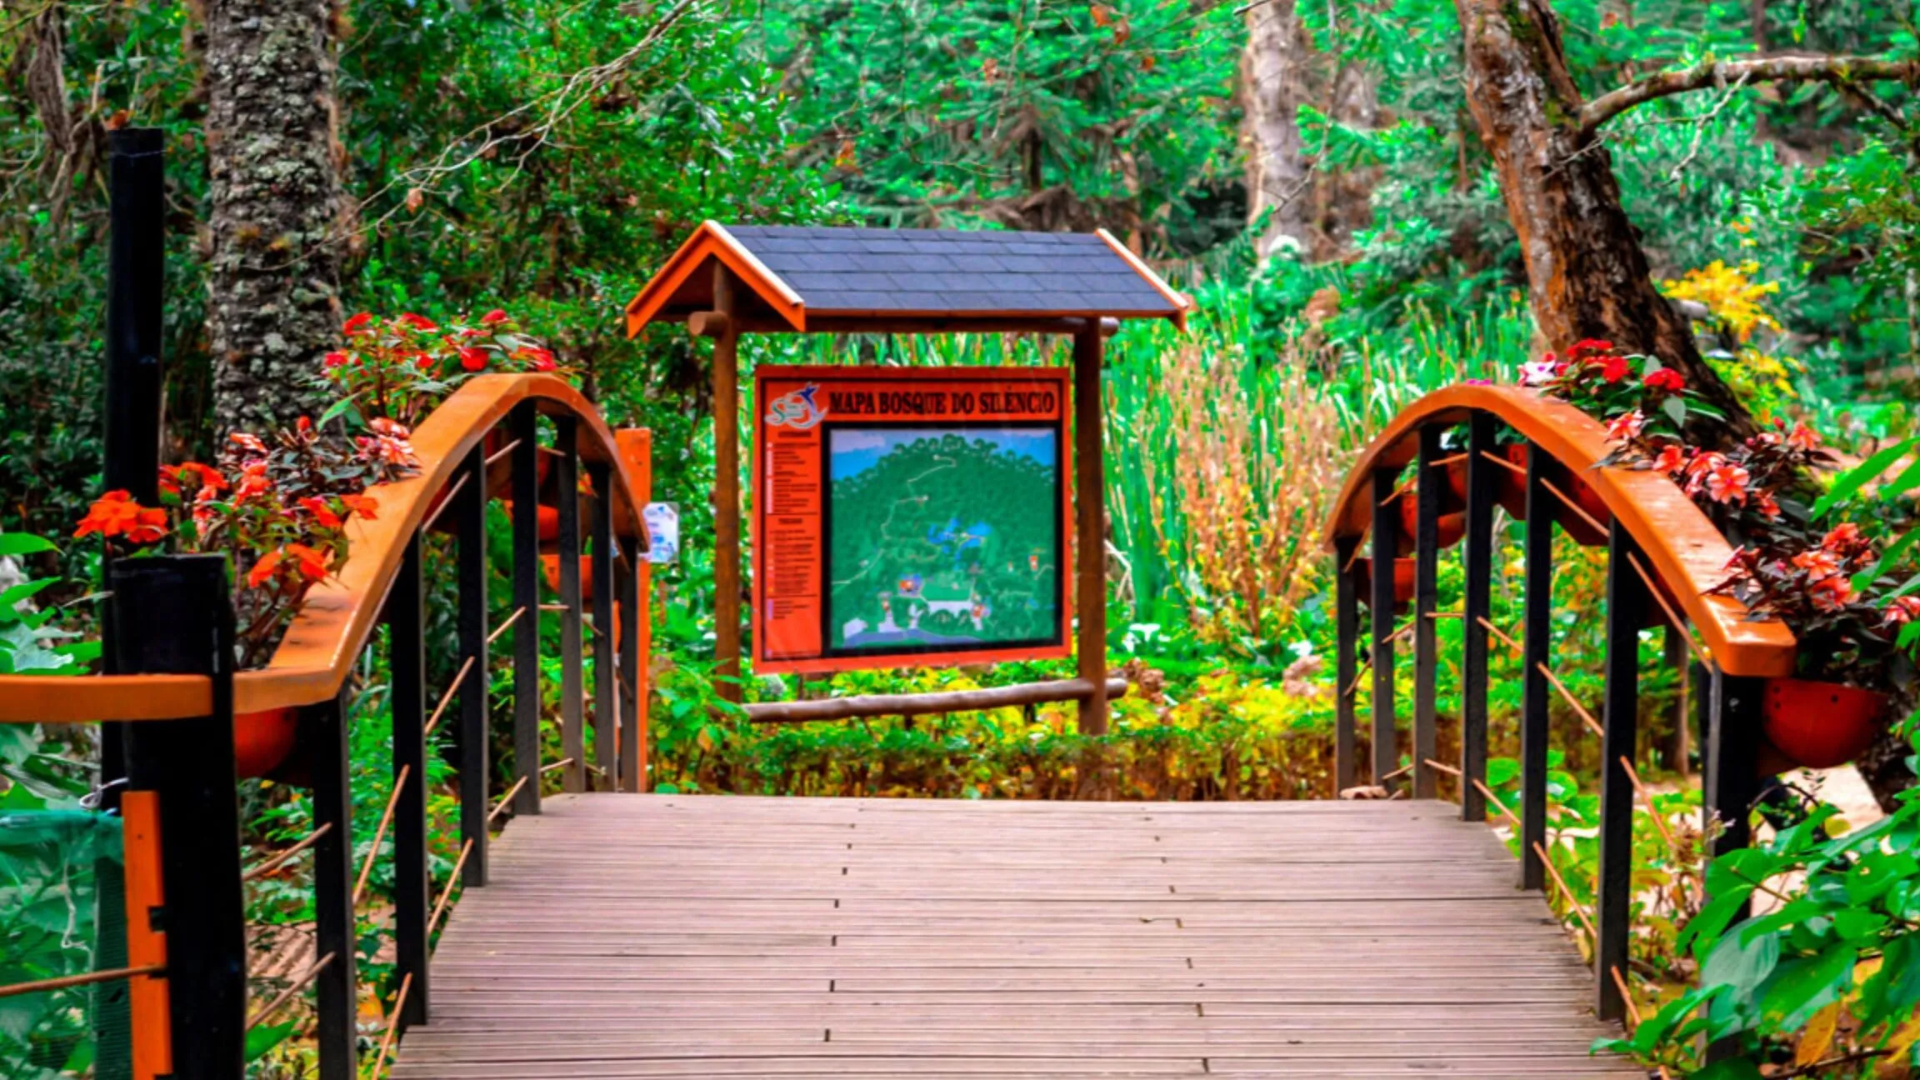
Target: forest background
x,y
1341,187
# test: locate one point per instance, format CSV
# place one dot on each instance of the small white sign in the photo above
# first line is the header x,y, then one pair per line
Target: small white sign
x,y
663,532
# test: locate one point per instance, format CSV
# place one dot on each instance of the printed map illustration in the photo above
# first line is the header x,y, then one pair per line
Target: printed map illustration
x,y
942,536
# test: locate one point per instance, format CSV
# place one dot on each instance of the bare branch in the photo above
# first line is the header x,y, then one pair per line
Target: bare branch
x,y
1839,70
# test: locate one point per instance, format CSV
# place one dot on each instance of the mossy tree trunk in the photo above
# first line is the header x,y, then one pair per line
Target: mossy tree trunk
x,y
276,207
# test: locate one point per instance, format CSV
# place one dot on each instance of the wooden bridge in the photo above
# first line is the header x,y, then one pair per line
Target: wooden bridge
x,y
611,933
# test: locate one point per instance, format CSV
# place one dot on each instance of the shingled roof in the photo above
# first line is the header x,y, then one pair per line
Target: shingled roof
x,y
792,272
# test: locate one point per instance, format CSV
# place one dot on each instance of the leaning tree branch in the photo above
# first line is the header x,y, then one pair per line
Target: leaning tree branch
x,y
1838,70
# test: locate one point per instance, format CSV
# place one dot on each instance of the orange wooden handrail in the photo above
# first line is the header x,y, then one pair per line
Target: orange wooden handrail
x,y
339,615
1682,547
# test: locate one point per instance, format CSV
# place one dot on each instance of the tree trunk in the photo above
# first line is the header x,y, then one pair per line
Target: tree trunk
x,y
1274,78
1587,274
275,266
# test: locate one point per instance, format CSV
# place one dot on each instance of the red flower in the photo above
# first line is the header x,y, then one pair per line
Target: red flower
x,y
419,322
1831,594
363,505
263,570
323,514
1672,459
493,318
1769,505
1615,368
311,564
1846,541
1581,349
473,359
249,443
542,358
253,481
1627,426
1803,438
1728,483
357,323
117,514
335,359
1665,379
1819,565
1902,610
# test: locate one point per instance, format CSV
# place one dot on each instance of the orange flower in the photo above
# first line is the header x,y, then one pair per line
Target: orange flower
x,y
323,514
253,481
263,570
249,443
363,505
311,564
116,514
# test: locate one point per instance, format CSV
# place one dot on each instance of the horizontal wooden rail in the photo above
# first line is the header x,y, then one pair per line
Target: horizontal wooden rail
x,y
340,614
1681,546
998,697
86,978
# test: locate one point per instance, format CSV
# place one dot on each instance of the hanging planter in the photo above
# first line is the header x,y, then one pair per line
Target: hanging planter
x,y
1579,528
1453,526
1509,487
262,740
1403,576
1820,724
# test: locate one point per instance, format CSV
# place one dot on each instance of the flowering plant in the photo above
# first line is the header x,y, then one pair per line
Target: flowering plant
x,y
400,368
1636,395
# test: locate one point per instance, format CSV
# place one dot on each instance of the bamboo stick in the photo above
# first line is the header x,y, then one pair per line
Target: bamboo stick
x,y
379,834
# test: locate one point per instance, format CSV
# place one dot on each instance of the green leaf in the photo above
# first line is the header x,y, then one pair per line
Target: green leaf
x,y
1740,963
1676,411
1804,985
1862,474
1730,1069
21,543
265,1037
1888,559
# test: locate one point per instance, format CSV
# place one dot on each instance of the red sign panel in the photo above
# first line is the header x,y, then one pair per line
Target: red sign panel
x,y
909,516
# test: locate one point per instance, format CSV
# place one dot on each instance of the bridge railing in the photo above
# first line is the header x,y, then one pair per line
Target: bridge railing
x,y
176,705
1663,557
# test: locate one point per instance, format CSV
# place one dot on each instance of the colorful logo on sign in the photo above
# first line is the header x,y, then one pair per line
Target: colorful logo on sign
x,y
796,410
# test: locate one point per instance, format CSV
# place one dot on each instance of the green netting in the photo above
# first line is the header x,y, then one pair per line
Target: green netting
x,y
62,913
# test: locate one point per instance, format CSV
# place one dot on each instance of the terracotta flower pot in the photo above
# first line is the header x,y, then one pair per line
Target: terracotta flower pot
x,y
1820,724
262,740
1403,575
1587,499
1453,526
1509,486
549,521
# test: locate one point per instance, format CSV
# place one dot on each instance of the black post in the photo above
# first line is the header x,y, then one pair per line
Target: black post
x,y
1386,545
1426,645
573,741
1346,609
176,617
1475,607
523,430
470,537
406,637
631,778
1537,651
606,713
1626,605
336,988
1731,784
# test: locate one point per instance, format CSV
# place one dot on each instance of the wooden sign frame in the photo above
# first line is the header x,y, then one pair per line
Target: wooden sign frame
x,y
799,410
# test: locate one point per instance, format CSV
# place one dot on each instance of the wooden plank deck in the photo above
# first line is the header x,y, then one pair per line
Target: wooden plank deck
x,y
676,936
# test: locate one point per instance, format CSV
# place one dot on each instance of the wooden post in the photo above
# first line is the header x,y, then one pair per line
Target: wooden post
x,y
606,714
336,988
1678,659
407,656
470,537
523,431
1090,546
176,617
1730,783
1386,545
1537,656
633,697
1426,647
1626,604
1346,665
573,739
1477,604
726,488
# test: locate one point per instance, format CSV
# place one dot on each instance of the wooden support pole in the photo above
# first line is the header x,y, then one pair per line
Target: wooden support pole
x,y
1346,607
1090,546
174,615
1386,542
1677,652
606,713
633,679
566,475
1476,605
406,637
1426,646
523,429
726,487
1626,606
473,732
335,989
1536,660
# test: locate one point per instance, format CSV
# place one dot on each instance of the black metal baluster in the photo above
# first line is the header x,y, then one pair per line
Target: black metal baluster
x,y
572,706
1476,606
633,704
1426,647
407,657
1386,543
1537,653
470,538
1626,605
175,616
1346,614
1731,783
524,432
606,714
335,989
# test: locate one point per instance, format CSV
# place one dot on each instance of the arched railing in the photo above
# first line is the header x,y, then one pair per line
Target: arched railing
x,y
173,619
1664,556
